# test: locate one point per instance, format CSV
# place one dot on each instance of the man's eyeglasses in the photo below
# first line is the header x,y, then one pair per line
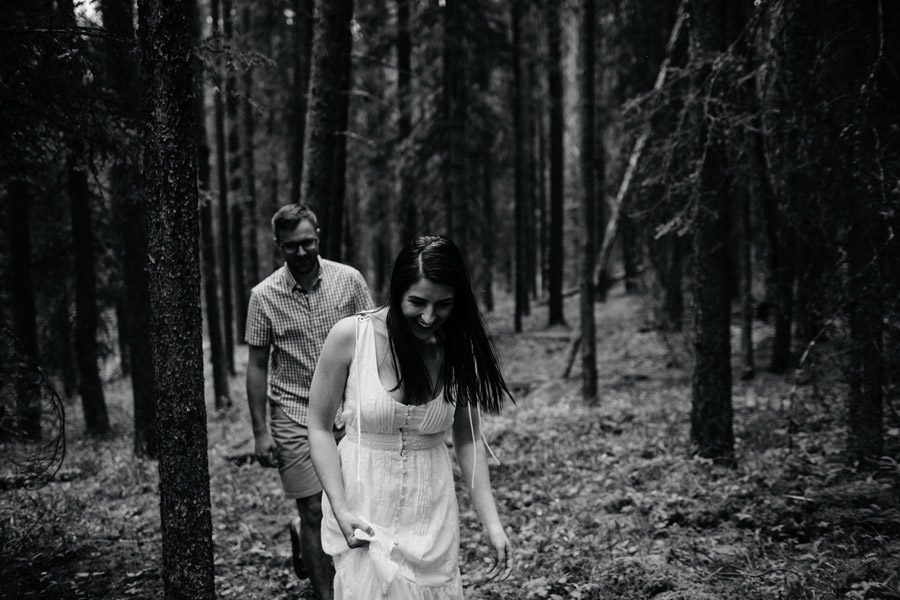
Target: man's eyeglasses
x,y
291,247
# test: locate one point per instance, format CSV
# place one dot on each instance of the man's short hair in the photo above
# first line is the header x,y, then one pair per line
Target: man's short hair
x,y
290,215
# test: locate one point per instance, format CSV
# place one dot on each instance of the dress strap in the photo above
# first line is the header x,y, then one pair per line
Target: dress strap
x,y
360,319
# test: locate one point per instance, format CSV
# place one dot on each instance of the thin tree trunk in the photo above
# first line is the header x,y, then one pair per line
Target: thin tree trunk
x,y
90,388
302,53
170,171
865,436
746,271
711,410
487,239
521,156
270,199
236,192
339,170
251,224
63,328
556,250
24,320
532,109
673,301
779,259
408,216
589,207
208,251
118,18
224,236
323,117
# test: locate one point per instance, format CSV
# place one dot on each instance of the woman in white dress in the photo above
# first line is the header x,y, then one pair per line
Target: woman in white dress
x,y
402,375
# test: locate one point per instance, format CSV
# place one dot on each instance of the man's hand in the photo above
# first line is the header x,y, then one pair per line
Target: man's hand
x,y
265,450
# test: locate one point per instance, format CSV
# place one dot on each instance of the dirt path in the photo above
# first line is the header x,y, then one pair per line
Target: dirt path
x,y
601,502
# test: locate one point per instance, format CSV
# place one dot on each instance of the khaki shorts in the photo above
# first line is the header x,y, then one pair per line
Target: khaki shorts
x,y
298,478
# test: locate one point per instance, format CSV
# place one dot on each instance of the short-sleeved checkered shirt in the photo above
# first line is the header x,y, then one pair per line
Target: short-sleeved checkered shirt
x,y
294,323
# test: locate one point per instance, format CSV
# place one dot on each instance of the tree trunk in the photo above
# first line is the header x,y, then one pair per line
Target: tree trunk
x,y
457,192
238,290
779,258
170,171
487,238
711,410
118,18
556,252
589,207
86,349
521,156
323,117
408,216
24,320
223,208
271,197
673,294
865,437
302,51
631,253
746,279
335,224
208,252
251,224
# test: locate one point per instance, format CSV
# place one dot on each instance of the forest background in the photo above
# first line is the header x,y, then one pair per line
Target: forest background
x,y
680,218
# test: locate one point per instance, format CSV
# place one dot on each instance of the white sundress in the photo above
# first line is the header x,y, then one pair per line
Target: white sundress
x,y
398,476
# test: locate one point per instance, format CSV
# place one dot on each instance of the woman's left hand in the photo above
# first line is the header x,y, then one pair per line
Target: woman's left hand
x,y
503,550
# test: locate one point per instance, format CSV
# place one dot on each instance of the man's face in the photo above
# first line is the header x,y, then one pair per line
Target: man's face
x,y
300,247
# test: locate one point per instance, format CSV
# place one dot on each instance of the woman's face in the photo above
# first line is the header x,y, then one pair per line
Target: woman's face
x,y
426,305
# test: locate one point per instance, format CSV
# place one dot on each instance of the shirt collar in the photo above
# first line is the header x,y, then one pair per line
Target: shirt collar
x,y
291,282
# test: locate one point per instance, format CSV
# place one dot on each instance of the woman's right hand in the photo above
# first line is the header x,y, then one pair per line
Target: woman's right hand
x,y
349,521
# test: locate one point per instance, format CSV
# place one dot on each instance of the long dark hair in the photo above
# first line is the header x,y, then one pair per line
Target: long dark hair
x,y
471,372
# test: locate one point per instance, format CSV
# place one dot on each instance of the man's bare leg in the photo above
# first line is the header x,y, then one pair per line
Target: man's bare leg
x,y
318,564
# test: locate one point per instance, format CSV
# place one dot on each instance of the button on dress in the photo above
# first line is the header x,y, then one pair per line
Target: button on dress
x,y
398,477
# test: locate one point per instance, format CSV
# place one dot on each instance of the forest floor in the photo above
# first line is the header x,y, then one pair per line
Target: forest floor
x,y
600,502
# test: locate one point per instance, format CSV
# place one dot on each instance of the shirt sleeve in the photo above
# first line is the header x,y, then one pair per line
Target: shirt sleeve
x,y
363,297
259,327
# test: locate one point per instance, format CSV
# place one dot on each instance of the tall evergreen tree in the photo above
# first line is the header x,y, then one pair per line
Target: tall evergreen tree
x,y
711,410
170,172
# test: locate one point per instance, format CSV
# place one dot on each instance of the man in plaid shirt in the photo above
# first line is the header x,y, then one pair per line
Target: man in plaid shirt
x,y
290,313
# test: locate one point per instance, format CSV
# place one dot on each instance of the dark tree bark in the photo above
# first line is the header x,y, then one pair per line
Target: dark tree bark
x,y
24,321
589,206
711,411
62,325
335,224
487,239
520,167
118,18
302,52
224,236
86,349
865,436
673,294
556,250
236,192
170,172
779,257
324,115
456,177
250,221
208,250
631,253
270,198
748,369
408,213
